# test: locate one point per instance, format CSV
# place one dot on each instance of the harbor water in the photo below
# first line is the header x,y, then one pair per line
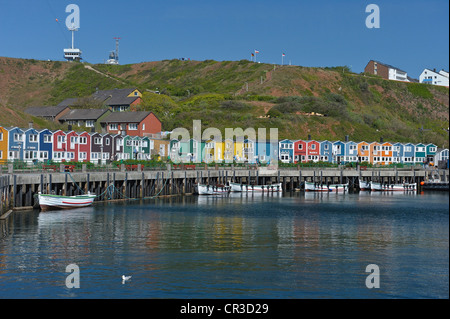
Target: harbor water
x,y
292,246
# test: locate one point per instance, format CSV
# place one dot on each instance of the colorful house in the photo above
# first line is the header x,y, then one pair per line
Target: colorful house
x,y
312,151
286,151
59,146
300,150
131,123
267,152
326,151
84,147
363,149
117,147
386,153
398,150
420,153
228,151
351,152
31,146
339,152
16,140
409,153
431,150
375,153
3,145
249,150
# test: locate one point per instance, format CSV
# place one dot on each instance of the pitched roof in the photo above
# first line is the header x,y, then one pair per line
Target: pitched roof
x,y
45,111
389,66
115,97
84,114
126,117
68,102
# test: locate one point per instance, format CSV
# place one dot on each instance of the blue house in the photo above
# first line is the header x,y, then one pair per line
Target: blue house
x,y
350,152
286,151
16,143
409,153
45,145
267,152
338,152
326,151
31,145
398,150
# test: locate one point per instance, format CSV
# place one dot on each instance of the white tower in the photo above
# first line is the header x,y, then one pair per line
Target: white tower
x,y
72,54
114,55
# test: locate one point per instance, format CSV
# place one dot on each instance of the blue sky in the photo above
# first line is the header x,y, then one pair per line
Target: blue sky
x,y
413,35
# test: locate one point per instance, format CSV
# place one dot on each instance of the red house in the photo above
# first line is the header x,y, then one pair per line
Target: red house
x,y
300,151
84,150
72,147
132,123
313,151
59,146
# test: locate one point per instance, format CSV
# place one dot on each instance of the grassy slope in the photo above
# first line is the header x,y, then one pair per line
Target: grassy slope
x,y
363,107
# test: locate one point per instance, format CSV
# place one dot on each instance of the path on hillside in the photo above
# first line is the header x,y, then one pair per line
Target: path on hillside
x,y
101,73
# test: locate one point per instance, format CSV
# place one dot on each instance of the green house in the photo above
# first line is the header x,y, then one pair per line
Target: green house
x,y
420,153
137,148
431,150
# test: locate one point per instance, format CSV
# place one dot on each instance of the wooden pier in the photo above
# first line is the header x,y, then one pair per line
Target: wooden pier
x,y
19,190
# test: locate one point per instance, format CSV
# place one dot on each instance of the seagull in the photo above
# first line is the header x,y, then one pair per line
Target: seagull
x,y
125,278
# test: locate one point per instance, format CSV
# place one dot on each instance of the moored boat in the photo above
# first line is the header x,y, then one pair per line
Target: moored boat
x,y
235,187
55,202
364,186
392,187
212,189
318,187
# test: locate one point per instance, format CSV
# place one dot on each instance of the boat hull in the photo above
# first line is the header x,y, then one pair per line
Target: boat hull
x,y
332,188
55,202
392,187
235,187
364,186
212,190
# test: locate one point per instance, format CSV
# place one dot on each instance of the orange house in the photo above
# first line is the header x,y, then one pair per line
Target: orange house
x,y
3,145
386,153
363,152
375,153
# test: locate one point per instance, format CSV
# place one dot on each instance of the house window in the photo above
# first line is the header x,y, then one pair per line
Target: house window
x,y
300,146
47,138
83,140
33,138
83,155
313,147
90,123
18,137
113,127
1,154
325,147
132,126
107,142
43,155
98,141
1,136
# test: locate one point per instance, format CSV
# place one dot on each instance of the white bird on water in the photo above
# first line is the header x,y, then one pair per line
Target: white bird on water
x,y
125,278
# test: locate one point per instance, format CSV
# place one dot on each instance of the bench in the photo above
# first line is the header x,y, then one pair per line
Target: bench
x,y
363,168
182,166
69,168
133,167
50,167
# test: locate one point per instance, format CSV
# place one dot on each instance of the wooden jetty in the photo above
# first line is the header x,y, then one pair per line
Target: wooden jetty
x,y
18,189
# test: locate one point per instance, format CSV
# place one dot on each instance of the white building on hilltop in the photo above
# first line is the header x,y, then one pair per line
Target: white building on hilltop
x,y
435,78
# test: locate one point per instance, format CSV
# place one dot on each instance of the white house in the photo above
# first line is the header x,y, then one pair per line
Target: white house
x,y
432,77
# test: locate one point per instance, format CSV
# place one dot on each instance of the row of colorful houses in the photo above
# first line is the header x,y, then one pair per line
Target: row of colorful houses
x,y
303,151
32,145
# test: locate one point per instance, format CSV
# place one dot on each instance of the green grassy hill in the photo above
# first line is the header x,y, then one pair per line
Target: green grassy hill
x,y
243,94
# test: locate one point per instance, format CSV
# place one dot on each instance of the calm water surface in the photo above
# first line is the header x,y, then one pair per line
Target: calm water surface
x,y
292,246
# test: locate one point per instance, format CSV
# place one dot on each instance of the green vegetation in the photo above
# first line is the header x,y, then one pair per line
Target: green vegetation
x,y
326,103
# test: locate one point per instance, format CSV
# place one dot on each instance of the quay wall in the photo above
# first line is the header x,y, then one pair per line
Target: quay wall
x,y
19,189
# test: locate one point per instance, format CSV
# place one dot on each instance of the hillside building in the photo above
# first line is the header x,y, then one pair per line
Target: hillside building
x,y
386,71
433,77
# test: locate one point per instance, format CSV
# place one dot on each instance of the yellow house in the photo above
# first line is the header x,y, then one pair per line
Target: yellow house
x,y
3,145
239,151
228,150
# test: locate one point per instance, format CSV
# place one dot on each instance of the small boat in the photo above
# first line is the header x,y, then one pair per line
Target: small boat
x,y
392,187
212,189
235,187
49,202
318,187
364,186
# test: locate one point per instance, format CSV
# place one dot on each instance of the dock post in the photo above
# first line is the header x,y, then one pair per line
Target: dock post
x,y
143,185
65,185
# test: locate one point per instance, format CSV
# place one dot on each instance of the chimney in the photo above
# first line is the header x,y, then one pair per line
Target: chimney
x,y
346,138
92,129
309,137
69,127
381,140
30,124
